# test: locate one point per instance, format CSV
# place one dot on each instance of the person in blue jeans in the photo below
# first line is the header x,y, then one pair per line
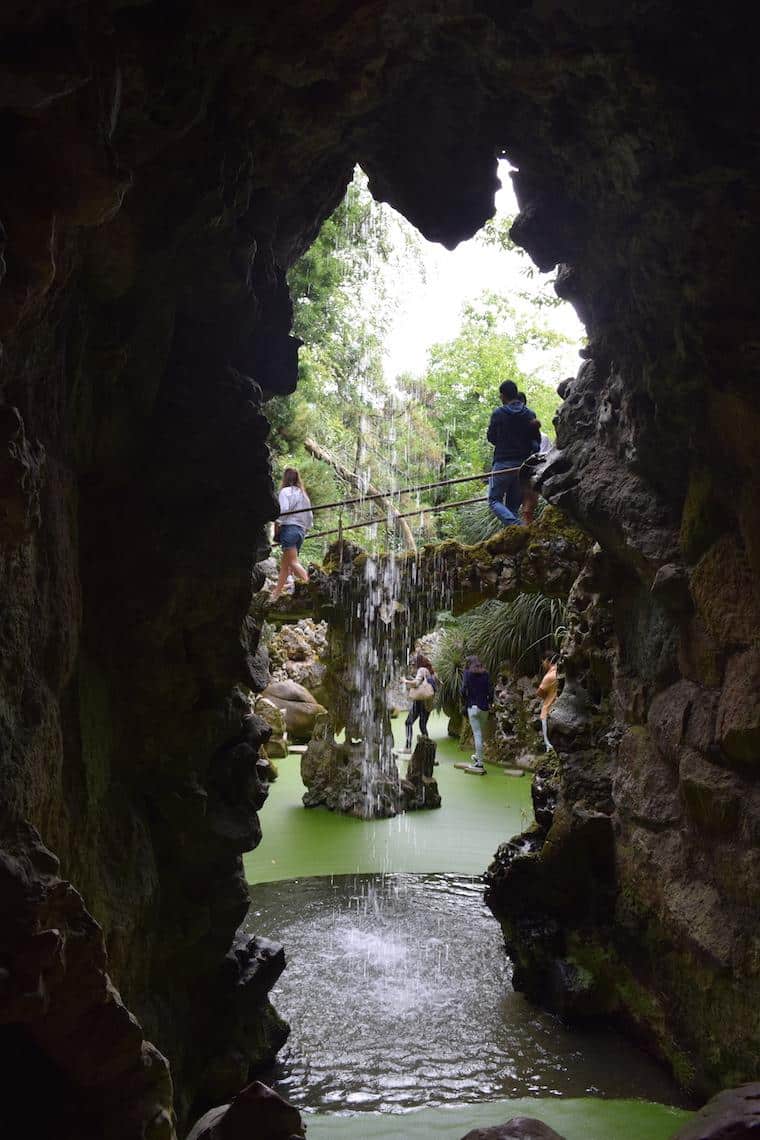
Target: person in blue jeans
x,y
514,432
477,693
290,528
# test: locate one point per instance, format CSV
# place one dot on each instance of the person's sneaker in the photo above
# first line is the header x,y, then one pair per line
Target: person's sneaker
x,y
479,765
474,760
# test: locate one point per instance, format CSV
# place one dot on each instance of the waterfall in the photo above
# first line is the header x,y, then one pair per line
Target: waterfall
x,y
379,606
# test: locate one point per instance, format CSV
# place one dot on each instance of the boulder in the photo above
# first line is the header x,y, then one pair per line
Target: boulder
x,y
256,1113
731,1115
518,1128
299,706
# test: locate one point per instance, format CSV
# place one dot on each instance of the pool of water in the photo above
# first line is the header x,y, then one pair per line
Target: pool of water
x,y
398,995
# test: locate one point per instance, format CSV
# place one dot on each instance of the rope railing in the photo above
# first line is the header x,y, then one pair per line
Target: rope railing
x,y
406,515
401,491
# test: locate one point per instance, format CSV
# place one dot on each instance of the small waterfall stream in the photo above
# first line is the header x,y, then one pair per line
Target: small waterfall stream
x,y
378,608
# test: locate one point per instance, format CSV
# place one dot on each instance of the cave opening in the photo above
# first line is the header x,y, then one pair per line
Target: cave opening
x,y
167,166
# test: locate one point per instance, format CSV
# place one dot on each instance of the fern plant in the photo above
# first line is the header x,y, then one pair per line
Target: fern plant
x,y
514,635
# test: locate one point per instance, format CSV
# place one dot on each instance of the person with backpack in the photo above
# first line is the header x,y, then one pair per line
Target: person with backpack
x,y
290,528
422,689
477,693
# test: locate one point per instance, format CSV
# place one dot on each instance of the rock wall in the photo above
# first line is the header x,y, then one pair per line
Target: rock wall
x,y
162,168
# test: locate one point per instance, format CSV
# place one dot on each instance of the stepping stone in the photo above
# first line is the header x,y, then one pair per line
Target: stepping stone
x,y
471,769
514,771
299,749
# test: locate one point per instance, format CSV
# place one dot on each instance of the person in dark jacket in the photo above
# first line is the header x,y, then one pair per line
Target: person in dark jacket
x,y
515,437
477,692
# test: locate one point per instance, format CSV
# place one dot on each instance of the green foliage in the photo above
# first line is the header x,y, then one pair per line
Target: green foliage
x,y
421,428
504,635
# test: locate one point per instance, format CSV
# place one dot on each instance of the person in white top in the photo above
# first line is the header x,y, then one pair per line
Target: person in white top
x,y
290,529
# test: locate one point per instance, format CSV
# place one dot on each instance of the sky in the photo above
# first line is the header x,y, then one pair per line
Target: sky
x,y
429,310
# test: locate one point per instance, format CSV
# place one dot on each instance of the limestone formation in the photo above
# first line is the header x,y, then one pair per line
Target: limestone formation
x,y
162,170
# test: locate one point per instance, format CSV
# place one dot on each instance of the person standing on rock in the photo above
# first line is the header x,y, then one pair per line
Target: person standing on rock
x,y
547,690
477,692
290,528
422,691
513,431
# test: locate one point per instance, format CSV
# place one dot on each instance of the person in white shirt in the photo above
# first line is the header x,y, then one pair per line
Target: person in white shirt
x,y
290,529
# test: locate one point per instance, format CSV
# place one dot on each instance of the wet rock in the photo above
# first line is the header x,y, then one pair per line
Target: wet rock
x,y
518,1128
336,776
256,1113
419,787
298,705
733,1114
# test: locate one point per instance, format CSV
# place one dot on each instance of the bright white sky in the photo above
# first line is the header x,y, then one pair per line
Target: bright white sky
x,y
430,310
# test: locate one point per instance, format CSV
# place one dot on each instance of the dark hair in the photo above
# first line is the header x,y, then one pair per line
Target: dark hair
x,y
291,478
423,662
508,390
522,398
474,664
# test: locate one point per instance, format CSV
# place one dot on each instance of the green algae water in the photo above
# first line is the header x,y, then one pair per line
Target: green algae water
x,y
477,814
403,1019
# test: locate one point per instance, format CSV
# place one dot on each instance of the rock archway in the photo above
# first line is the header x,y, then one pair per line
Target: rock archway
x,y
163,167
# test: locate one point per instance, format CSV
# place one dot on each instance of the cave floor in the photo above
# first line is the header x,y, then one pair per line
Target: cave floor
x,y
478,813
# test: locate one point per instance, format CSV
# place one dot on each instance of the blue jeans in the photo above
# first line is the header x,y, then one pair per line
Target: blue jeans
x,y
505,493
478,719
291,535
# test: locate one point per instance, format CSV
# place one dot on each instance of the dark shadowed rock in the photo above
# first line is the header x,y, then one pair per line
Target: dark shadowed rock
x,y
419,786
738,725
733,1114
256,1113
518,1128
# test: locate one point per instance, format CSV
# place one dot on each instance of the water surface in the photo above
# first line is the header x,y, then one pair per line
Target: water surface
x,y
398,995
